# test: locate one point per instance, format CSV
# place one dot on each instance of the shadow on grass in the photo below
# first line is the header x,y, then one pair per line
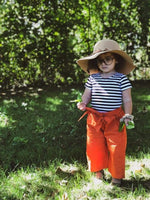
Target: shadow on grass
x,y
40,125
139,137
136,189
131,185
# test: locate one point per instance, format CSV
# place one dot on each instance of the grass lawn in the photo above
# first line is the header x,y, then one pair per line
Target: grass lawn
x,y
42,148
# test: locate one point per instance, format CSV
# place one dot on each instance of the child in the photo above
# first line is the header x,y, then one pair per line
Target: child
x,y
107,90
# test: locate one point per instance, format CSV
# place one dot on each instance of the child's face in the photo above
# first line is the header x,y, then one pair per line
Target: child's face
x,y
106,62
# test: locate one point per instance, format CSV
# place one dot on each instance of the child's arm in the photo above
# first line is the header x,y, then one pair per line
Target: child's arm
x,y
127,103
85,99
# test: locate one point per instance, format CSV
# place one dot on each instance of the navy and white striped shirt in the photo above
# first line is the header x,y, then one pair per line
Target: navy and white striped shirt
x,y
107,92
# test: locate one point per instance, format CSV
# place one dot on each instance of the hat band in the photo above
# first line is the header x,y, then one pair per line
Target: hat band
x,y
100,51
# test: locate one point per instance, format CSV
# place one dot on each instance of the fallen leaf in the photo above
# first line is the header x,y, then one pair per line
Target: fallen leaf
x,y
143,165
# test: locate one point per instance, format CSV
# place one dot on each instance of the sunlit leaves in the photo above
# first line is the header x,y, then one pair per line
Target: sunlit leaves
x,y
41,40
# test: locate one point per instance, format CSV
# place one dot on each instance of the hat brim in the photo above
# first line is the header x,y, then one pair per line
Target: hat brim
x,y
125,68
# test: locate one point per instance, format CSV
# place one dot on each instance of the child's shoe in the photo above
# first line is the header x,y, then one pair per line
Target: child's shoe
x,y
116,182
100,174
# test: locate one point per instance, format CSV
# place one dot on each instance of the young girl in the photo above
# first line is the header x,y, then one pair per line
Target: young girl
x,y
107,90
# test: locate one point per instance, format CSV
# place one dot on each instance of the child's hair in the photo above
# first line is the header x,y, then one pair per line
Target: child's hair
x,y
119,60
92,64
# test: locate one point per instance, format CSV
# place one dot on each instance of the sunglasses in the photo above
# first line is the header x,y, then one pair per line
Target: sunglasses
x,y
107,60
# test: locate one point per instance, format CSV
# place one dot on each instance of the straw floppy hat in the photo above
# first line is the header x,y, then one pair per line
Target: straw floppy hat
x,y
111,46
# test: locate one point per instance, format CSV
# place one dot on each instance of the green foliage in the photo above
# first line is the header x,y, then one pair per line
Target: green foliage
x,y
36,43
41,40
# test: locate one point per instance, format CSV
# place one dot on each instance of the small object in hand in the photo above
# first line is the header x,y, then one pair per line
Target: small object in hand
x,y
130,125
75,101
121,126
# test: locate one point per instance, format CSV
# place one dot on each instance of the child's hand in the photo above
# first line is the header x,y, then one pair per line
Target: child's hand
x,y
81,106
126,121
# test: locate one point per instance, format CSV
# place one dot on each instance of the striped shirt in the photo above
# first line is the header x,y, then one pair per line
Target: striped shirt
x,y
106,93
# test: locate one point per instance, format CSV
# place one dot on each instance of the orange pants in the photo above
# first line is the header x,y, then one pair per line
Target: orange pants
x,y
106,146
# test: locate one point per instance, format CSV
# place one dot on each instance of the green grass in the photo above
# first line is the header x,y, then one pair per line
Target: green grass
x,y
42,148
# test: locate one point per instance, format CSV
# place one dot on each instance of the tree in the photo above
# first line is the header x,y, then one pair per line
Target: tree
x,y
41,40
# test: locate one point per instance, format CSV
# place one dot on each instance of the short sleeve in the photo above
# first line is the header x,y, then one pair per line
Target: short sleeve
x,y
125,83
88,84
